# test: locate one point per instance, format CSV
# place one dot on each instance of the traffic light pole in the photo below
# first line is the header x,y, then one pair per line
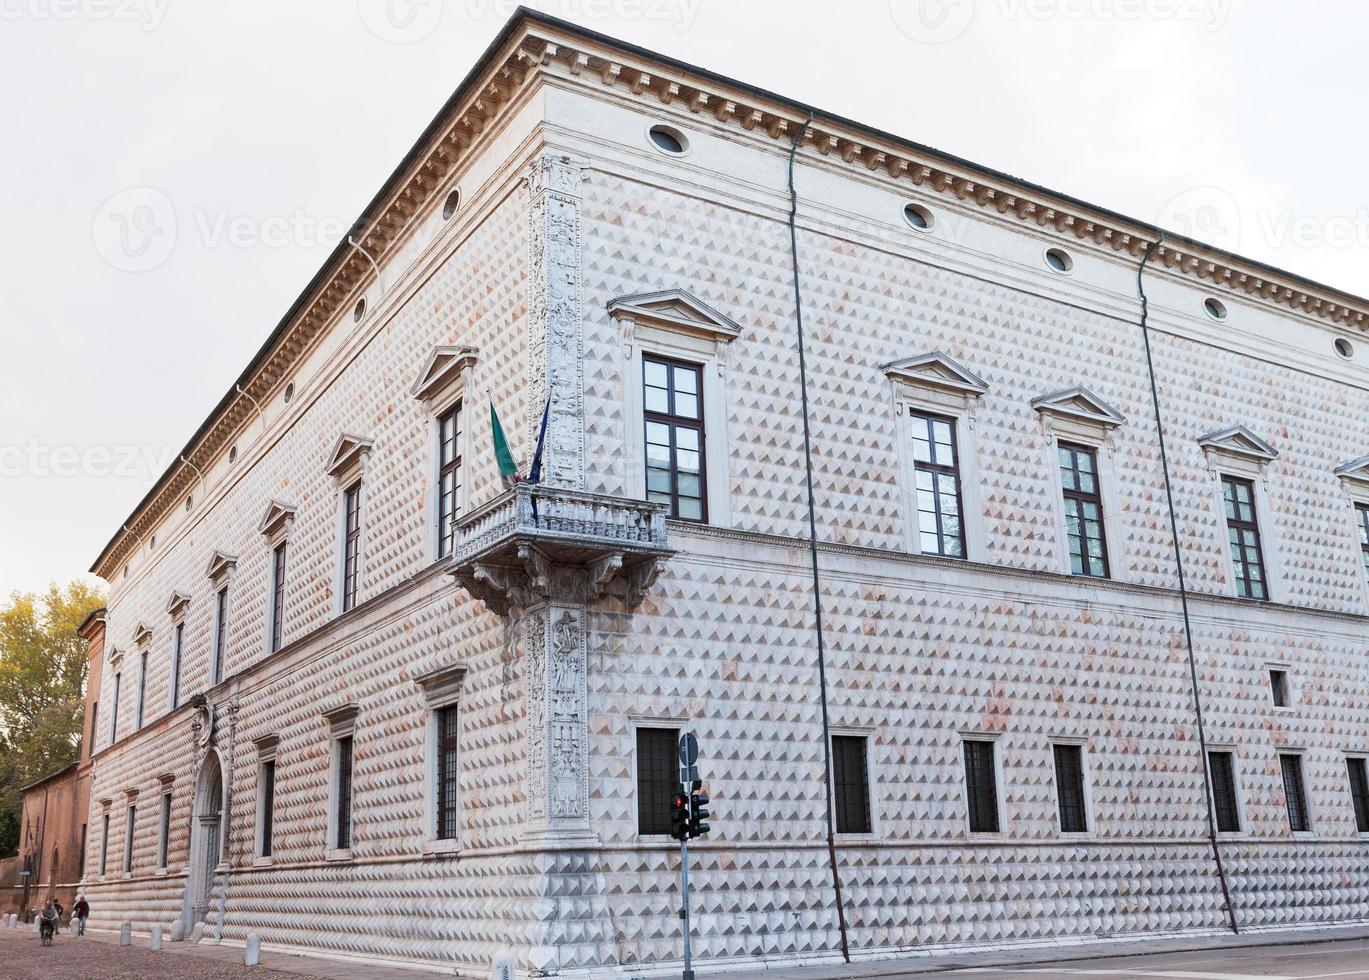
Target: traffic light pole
x,y
684,907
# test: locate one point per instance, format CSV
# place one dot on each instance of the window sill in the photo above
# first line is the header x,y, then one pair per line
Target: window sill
x,y
1077,835
126,876
260,861
339,854
160,872
859,840
441,848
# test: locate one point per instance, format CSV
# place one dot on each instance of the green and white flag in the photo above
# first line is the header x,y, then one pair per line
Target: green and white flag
x,y
508,469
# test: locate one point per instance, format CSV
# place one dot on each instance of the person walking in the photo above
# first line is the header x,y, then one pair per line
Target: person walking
x,y
81,910
57,904
47,923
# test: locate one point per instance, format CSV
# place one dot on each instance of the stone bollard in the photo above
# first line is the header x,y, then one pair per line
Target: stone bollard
x,y
156,940
126,934
12,920
251,953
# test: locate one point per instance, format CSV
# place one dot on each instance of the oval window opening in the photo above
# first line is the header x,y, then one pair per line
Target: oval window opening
x,y
917,216
1059,260
667,140
1344,348
1215,308
359,310
450,205
233,454
289,392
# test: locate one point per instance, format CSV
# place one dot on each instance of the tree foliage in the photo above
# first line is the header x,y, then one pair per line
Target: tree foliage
x,y
42,684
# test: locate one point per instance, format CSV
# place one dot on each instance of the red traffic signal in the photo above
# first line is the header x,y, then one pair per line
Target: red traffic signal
x,y
679,817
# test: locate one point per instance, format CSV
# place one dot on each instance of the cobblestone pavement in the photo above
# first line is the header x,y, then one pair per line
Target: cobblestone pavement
x,y
70,957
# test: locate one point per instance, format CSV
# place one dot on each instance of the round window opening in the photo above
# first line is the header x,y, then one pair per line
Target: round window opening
x,y
1059,260
1215,308
1344,348
233,454
289,392
152,542
359,310
189,503
917,216
667,140
450,205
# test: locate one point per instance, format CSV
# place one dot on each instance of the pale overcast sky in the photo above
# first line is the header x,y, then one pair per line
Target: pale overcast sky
x,y
265,125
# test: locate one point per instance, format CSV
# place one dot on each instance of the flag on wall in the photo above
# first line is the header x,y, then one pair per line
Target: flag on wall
x,y
535,471
508,469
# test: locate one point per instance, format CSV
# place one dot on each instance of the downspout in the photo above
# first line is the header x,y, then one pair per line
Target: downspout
x,y
813,544
225,821
369,258
1183,588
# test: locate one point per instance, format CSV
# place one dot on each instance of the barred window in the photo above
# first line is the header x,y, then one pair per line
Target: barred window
x,y
164,832
851,783
1359,793
351,544
177,642
1243,533
1294,793
1362,522
220,632
1069,786
1222,769
1083,511
981,787
658,778
343,815
936,471
447,772
277,596
448,477
672,400
268,805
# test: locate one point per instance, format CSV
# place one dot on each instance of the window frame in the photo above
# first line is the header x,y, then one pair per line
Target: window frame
x,y
275,621
866,739
164,829
142,691
114,706
1289,693
913,419
130,826
673,423
443,538
1303,795
266,806
350,544
995,771
1241,581
174,667
218,640
1359,796
104,840
673,729
1076,499
1085,796
441,690
342,727
1237,797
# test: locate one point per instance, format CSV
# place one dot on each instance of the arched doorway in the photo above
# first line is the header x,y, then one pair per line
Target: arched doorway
x,y
206,835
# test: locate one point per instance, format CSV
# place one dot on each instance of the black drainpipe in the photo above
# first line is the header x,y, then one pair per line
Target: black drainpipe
x,y
1183,588
813,544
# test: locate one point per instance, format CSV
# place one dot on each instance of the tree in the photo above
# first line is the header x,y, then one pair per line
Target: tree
x,y
42,683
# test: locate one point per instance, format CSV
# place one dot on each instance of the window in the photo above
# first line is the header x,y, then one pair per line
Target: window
x,y
114,709
672,394
850,784
342,816
177,639
142,690
1344,348
128,838
667,139
1294,793
94,725
981,787
1222,769
448,775
1214,308
277,596
658,778
1359,793
220,633
104,843
1278,687
268,805
450,204
1069,787
1243,531
936,466
917,216
1059,260
1362,522
1083,511
351,543
83,850
448,477
164,832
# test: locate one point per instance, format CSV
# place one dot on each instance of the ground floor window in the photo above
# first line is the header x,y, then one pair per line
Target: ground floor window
x,y
658,779
851,784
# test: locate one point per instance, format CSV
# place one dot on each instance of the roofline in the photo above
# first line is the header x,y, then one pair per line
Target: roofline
x,y
50,776
90,620
523,16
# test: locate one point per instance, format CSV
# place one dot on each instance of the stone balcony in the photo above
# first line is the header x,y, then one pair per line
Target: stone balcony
x,y
536,543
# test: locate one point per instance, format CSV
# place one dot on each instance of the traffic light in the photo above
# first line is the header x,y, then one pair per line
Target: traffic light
x,y
698,814
679,817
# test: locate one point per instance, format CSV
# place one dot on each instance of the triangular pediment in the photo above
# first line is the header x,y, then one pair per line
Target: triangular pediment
x,y
142,634
220,564
677,310
347,451
1238,441
1355,470
276,517
1079,403
177,602
442,369
936,369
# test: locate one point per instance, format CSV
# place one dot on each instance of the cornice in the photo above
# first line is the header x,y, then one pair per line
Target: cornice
x,y
533,45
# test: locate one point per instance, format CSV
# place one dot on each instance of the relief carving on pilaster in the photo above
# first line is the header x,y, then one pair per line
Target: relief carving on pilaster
x,y
558,724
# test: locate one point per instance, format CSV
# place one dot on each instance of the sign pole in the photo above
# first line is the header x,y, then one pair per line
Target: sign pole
x,y
684,907
689,757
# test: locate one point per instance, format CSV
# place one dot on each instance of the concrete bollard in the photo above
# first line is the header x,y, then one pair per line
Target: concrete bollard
x,y
12,920
156,941
251,953
126,934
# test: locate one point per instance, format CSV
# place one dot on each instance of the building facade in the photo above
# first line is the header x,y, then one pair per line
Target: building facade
x,y
361,699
